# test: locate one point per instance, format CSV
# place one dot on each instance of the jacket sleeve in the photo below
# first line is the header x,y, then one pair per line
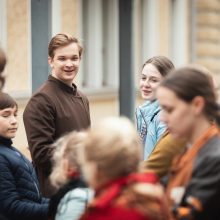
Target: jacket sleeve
x,y
205,181
88,108
12,204
161,158
160,126
202,192
86,105
73,204
39,122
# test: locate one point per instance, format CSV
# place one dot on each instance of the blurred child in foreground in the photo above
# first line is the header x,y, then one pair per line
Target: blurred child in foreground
x,y
72,196
19,189
110,159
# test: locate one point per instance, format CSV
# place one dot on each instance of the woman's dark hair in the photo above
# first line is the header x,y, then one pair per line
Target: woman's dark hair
x,y
6,101
189,82
3,61
162,63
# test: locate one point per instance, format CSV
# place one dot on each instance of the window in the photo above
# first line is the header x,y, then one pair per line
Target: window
x,y
150,29
160,28
56,16
100,41
146,33
179,32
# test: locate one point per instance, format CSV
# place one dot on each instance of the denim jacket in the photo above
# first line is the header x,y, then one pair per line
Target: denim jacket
x,y
149,126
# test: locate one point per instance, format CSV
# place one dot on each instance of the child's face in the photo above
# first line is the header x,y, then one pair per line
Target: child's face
x,y
8,122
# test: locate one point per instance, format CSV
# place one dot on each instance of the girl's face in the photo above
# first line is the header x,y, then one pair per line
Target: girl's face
x,y
179,115
8,122
150,79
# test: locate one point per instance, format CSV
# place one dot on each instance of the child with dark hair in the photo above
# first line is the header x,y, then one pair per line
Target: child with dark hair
x,y
19,192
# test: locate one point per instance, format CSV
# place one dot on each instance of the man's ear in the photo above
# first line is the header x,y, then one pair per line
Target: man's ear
x,y
198,104
50,61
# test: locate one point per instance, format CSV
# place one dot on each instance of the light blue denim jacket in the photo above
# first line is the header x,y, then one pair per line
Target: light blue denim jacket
x,y
149,126
73,204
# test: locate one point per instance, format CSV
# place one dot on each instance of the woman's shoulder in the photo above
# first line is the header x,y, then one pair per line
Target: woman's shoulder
x,y
208,158
211,147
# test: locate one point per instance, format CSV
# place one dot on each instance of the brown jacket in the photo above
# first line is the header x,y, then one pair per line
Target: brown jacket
x,y
55,109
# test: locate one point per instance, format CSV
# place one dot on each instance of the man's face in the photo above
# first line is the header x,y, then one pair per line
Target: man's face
x,y
65,63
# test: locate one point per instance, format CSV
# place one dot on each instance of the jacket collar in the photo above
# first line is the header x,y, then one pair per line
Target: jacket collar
x,y
5,141
108,192
149,108
70,89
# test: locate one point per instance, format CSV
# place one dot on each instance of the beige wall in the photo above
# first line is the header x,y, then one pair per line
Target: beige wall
x,y
164,26
18,46
20,141
208,34
18,53
69,16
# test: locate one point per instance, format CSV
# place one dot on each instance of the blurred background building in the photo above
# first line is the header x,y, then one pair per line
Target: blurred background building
x,y
187,31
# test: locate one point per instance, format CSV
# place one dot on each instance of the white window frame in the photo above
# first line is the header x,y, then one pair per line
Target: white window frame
x,y
146,33
150,27
179,41
111,58
56,17
100,69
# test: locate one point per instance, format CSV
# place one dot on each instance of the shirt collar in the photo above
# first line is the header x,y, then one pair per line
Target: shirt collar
x,y
70,89
5,141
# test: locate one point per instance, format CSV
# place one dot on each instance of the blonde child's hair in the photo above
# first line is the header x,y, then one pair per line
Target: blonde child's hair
x,y
114,146
66,147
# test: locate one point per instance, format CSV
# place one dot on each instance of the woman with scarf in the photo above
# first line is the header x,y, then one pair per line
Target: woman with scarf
x,y
190,110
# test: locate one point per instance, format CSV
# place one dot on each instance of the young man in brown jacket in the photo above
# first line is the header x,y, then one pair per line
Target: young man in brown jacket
x,y
58,107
